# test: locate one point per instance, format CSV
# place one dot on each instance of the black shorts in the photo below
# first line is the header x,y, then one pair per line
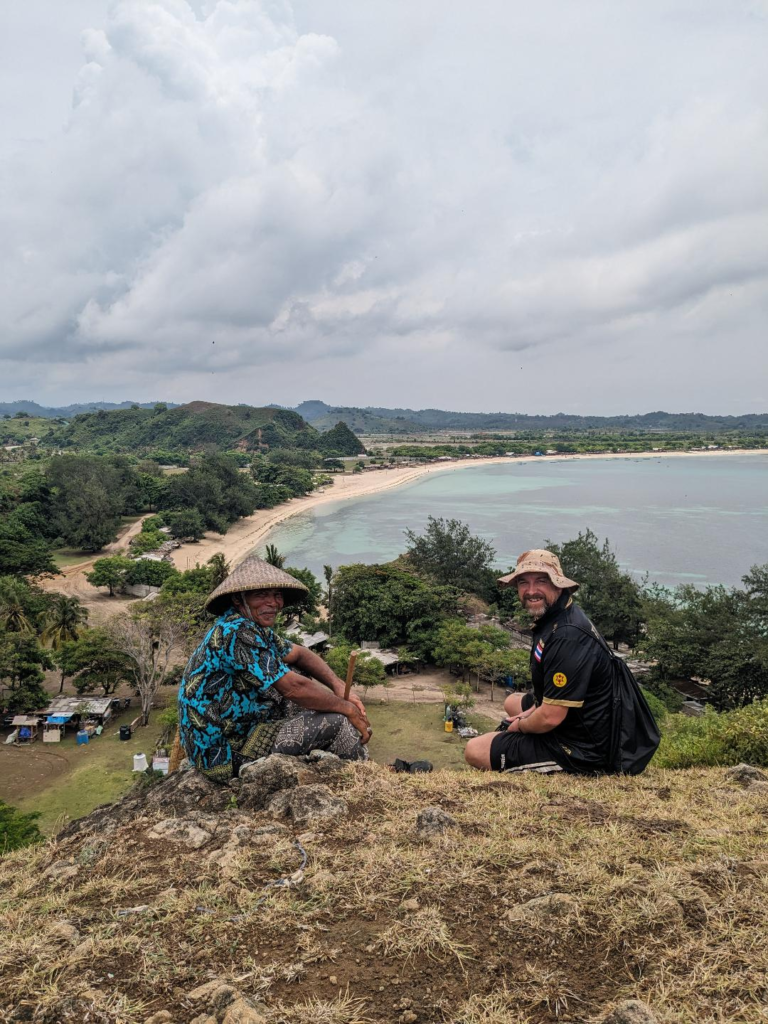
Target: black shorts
x,y
522,752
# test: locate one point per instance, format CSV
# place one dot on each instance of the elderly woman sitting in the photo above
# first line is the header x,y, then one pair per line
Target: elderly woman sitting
x,y
239,698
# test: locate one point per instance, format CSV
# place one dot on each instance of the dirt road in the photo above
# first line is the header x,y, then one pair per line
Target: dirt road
x,y
72,581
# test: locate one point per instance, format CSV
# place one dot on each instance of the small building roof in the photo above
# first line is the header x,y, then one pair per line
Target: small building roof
x,y
24,720
79,706
57,719
310,639
385,657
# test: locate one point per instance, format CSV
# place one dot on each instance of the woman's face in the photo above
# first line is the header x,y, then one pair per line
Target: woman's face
x,y
264,605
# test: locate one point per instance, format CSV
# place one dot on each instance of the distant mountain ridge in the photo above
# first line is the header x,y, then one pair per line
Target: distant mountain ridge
x,y
67,411
375,420
380,420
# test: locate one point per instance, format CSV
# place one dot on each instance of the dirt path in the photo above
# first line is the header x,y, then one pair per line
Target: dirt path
x,y
72,581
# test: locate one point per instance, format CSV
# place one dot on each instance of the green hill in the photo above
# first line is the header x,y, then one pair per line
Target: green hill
x,y
192,427
195,427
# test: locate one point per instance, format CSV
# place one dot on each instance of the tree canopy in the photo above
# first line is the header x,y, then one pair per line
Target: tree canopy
x,y
388,604
449,553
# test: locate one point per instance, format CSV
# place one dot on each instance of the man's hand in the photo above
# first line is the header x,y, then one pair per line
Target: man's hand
x,y
359,721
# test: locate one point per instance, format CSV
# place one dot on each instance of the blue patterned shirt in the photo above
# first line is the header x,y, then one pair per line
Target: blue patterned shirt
x,y
225,692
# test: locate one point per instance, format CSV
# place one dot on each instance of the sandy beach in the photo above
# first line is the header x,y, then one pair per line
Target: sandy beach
x,y
247,533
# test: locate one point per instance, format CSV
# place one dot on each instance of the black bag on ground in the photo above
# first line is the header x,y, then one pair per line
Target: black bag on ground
x,y
635,735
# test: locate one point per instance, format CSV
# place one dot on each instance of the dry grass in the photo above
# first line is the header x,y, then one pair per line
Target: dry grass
x,y
552,898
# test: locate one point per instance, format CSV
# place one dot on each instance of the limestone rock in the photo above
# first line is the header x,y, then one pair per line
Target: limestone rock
x,y
308,804
434,820
203,1018
631,1011
180,794
187,792
243,1011
214,995
270,775
180,830
745,775
326,764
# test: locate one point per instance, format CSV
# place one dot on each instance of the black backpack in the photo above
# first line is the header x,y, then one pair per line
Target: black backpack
x,y
634,735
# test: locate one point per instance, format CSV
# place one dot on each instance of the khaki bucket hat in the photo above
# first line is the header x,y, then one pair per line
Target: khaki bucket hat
x,y
539,560
254,574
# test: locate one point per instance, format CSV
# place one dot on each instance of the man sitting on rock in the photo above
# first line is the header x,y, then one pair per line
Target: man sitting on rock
x,y
565,724
239,698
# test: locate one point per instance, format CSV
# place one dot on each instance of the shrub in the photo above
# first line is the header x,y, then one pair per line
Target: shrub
x,y
147,540
151,574
658,707
17,829
715,739
745,734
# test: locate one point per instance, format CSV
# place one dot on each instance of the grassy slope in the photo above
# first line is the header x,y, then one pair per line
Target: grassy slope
x,y
15,431
95,773
656,888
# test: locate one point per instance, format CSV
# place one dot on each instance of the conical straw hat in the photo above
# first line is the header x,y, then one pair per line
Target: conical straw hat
x,y
253,574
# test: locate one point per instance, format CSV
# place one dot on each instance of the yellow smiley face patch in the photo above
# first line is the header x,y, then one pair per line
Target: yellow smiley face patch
x,y
559,679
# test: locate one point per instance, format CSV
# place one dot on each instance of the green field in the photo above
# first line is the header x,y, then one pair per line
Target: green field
x,y
415,732
95,773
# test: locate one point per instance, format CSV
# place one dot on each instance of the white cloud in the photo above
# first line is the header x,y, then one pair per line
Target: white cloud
x,y
326,193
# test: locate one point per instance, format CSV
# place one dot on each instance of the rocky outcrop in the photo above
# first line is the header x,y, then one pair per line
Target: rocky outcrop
x,y
307,805
433,821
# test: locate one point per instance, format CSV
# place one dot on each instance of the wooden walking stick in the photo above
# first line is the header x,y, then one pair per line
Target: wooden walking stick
x,y
350,673
177,754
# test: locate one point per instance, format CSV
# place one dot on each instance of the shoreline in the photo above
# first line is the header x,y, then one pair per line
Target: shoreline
x,y
244,535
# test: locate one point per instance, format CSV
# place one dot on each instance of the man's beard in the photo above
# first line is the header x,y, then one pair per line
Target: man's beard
x,y
541,609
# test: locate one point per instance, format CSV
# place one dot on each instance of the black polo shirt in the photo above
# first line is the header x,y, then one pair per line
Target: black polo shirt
x,y
571,669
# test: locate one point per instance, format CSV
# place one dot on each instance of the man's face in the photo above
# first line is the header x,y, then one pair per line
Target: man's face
x,y
265,605
537,593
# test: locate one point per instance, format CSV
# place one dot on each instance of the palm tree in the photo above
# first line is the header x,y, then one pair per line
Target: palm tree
x,y
64,617
273,557
14,612
219,569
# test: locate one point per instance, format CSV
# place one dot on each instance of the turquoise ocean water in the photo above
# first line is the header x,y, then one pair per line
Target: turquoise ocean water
x,y
693,519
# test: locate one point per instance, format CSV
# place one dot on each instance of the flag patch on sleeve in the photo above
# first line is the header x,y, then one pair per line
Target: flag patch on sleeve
x,y
538,651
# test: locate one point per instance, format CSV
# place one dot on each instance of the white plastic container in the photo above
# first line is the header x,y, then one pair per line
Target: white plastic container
x,y
140,762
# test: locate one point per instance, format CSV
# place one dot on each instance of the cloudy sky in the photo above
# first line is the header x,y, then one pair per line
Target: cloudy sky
x,y
488,206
